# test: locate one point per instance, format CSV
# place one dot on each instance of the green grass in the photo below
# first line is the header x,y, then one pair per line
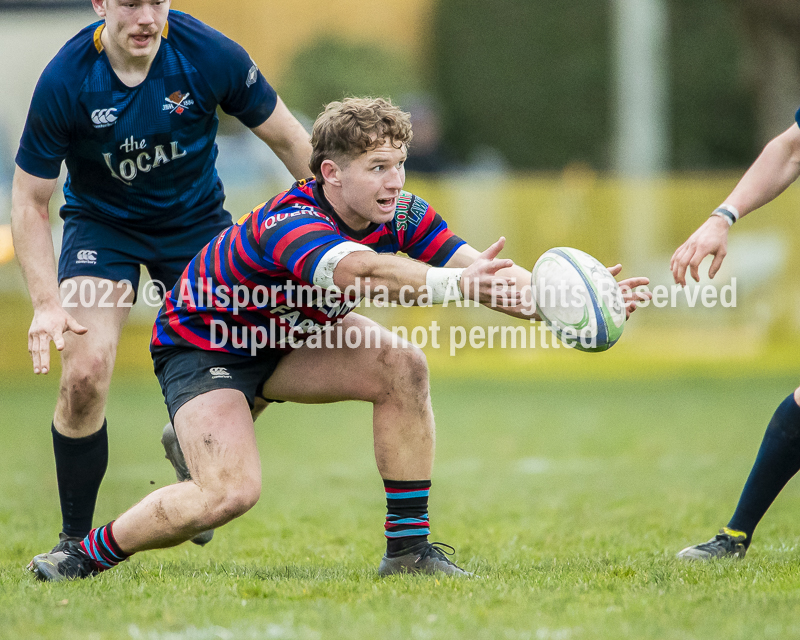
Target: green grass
x,y
568,499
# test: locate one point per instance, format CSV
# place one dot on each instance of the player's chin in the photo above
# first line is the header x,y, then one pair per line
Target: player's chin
x,y
383,215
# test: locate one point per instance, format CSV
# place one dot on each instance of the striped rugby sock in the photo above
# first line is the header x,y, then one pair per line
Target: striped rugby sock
x,y
406,515
102,548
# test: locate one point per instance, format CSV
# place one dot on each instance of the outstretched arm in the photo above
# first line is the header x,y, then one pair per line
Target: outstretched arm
x,y
480,280
769,176
519,279
288,140
33,242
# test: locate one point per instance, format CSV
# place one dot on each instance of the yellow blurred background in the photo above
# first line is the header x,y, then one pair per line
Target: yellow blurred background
x,y
636,222
272,32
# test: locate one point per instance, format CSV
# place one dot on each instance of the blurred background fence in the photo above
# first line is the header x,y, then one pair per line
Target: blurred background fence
x,y
614,126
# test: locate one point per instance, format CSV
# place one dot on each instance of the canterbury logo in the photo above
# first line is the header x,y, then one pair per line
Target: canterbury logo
x,y
219,372
86,256
103,117
252,75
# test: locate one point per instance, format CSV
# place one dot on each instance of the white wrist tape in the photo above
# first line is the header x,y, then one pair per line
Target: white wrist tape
x,y
727,212
323,274
444,284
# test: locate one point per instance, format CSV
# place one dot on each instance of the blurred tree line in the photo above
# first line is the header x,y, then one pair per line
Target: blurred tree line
x,y
533,80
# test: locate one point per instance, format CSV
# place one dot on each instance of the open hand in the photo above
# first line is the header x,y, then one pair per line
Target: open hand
x,y
630,297
711,239
49,324
480,280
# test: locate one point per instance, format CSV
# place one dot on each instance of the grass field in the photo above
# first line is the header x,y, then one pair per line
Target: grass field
x,y
568,500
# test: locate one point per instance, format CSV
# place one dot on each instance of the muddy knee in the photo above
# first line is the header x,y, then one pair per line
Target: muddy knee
x,y
405,374
84,387
228,502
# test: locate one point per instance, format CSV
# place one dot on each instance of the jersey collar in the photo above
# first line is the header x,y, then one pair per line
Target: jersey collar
x,y
322,201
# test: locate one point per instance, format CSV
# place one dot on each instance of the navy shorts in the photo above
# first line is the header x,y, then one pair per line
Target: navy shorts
x,y
113,252
185,373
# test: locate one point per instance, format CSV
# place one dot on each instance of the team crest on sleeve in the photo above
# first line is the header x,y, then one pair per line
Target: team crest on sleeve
x,y
177,102
252,75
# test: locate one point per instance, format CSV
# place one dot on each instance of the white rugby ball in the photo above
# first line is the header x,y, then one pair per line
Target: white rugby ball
x,y
578,299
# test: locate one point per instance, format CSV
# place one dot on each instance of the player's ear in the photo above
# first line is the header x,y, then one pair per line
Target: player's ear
x,y
331,173
99,7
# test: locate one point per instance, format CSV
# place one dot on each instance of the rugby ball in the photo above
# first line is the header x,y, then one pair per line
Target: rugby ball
x,y
578,299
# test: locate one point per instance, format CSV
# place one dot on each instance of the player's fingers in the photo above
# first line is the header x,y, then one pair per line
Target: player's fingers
x,y
44,353
694,265
676,256
507,290
716,264
675,266
494,249
33,350
495,265
58,339
633,304
632,283
74,326
680,271
615,269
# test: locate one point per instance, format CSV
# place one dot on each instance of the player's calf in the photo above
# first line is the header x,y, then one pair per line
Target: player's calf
x,y
174,454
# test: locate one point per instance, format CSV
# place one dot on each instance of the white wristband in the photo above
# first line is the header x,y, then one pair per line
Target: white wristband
x,y
727,218
731,209
727,212
444,284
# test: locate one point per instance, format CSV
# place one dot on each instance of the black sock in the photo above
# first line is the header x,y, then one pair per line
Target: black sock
x,y
777,461
80,466
407,523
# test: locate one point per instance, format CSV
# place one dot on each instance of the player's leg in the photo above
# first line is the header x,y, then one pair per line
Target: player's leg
x,y
168,257
218,439
393,376
98,270
778,460
174,453
80,440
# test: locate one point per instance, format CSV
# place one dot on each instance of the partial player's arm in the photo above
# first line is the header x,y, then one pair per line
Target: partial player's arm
x,y
390,273
774,170
288,140
33,242
519,278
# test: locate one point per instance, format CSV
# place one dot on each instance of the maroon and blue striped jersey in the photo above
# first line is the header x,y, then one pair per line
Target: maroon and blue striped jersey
x,y
260,280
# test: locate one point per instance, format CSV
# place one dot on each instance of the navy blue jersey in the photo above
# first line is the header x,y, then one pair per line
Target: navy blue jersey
x,y
142,156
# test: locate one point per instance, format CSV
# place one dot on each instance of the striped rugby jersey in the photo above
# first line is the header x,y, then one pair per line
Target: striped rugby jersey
x,y
267,254
144,156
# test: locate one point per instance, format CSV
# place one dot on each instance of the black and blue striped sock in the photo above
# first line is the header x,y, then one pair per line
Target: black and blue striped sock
x,y
407,524
102,548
